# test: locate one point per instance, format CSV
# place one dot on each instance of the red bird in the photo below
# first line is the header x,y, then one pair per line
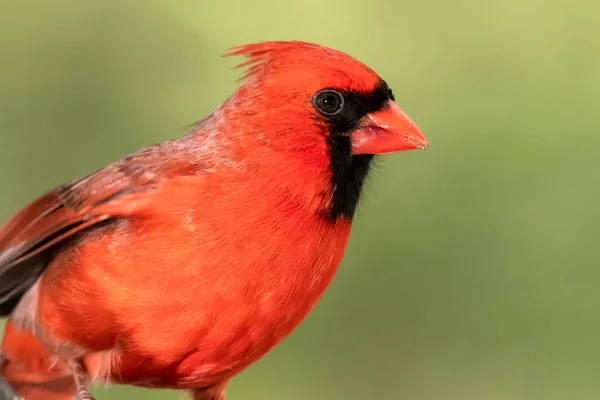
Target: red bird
x,y
180,265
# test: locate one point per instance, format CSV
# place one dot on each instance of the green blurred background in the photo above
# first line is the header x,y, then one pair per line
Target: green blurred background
x,y
471,272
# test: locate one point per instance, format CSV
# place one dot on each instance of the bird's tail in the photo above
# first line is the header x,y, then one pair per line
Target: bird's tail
x,y
30,370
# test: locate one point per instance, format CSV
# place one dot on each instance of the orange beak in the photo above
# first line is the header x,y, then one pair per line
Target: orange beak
x,y
387,131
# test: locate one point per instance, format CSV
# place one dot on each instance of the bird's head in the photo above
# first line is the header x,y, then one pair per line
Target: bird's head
x,y
343,97
317,101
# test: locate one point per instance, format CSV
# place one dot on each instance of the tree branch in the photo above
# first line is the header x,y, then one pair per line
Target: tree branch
x,y
7,392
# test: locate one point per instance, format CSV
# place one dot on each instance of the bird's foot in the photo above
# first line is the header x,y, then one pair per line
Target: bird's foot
x,y
6,391
80,382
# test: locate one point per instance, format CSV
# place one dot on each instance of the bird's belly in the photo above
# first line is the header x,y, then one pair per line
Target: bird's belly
x,y
196,318
212,355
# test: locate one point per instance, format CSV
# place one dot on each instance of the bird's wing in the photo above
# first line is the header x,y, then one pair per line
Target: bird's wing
x,y
29,239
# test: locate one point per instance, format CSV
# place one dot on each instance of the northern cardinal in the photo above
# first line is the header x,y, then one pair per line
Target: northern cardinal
x,y
181,264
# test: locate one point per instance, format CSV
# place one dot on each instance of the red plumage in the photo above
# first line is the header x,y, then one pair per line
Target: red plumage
x,y
180,265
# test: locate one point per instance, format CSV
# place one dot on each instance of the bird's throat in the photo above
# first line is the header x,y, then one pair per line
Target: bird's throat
x,y
348,174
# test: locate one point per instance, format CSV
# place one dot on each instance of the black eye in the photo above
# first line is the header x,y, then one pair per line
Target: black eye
x,y
328,102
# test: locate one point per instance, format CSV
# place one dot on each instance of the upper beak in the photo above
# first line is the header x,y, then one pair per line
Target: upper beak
x,y
387,131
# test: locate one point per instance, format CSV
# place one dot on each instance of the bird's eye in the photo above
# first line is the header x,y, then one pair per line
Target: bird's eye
x,y
329,102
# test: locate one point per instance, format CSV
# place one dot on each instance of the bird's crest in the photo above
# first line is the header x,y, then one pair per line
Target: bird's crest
x,y
261,54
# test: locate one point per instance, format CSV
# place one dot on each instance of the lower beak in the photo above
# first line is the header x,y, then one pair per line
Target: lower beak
x,y
387,131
